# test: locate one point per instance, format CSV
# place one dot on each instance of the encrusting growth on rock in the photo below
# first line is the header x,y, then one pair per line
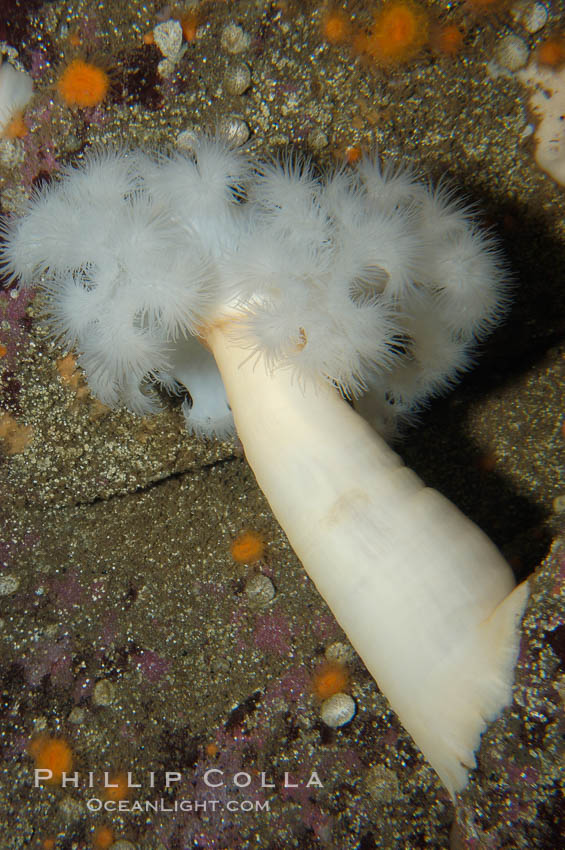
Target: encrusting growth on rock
x,y
83,84
16,89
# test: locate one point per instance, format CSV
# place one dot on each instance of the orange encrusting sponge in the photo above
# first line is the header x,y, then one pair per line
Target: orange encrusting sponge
x,y
53,754
400,30
335,26
83,84
447,40
17,128
247,548
330,678
551,52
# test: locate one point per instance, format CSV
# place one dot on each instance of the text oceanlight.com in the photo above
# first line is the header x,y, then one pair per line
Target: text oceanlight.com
x,y
95,804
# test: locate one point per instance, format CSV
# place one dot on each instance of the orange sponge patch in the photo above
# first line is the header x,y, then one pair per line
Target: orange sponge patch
x,y
189,23
17,128
448,39
399,32
52,754
83,84
335,26
118,787
103,837
247,548
551,52
330,678
14,438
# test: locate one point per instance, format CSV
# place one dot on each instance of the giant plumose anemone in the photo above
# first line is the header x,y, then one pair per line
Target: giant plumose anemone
x,y
270,293
366,278
16,89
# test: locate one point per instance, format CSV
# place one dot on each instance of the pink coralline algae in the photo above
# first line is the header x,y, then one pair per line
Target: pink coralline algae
x,y
151,665
40,153
312,815
82,689
13,306
217,829
317,820
39,64
15,326
291,687
272,633
9,549
109,630
67,591
325,628
557,588
53,658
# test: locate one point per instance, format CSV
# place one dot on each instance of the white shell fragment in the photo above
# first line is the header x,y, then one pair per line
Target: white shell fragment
x,y
187,140
168,38
532,16
104,692
512,52
339,653
382,784
260,590
234,39
535,18
547,102
237,78
8,584
318,140
234,130
71,810
337,710
76,716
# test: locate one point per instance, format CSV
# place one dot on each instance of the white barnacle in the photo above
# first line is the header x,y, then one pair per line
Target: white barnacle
x,y
337,710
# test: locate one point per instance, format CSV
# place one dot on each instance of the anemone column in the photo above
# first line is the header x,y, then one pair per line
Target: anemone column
x,y
424,596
